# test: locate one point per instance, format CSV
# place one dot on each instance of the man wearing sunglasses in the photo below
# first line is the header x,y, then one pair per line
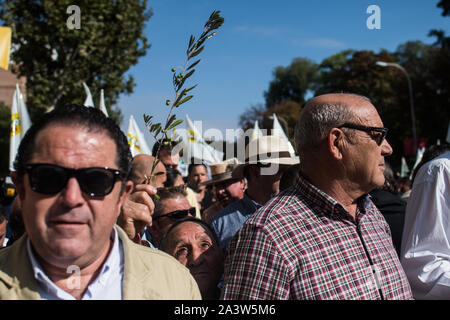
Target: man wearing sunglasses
x,y
323,238
71,175
171,206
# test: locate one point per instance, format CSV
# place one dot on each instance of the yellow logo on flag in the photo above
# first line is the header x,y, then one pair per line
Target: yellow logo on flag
x,y
191,137
15,124
133,142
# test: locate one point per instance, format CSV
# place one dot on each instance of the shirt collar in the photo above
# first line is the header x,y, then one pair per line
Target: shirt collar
x,y
44,282
327,204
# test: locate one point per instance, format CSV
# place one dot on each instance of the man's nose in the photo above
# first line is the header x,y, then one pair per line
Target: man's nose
x,y
72,194
196,257
386,148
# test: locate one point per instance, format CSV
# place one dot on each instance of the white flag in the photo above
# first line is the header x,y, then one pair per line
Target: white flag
x,y
136,139
197,148
404,170
102,103
20,123
256,132
88,102
419,156
278,131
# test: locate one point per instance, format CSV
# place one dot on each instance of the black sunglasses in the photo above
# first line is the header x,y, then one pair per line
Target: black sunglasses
x,y
177,214
51,178
378,138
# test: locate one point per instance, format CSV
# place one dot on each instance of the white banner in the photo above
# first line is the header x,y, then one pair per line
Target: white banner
x,y
102,103
197,148
256,133
20,123
278,131
136,139
88,102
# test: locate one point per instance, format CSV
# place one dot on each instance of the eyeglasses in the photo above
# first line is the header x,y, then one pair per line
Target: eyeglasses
x,y
93,181
178,214
378,137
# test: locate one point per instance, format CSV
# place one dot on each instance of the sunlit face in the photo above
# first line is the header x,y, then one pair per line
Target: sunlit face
x,y
197,175
364,158
71,227
229,191
193,246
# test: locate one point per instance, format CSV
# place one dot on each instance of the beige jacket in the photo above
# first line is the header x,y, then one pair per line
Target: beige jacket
x,y
148,274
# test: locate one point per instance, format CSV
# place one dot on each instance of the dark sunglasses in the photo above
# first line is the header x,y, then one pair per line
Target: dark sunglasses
x,y
51,179
178,214
378,138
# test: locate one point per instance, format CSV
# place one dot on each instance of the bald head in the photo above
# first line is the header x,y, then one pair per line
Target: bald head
x,y
142,166
344,136
324,112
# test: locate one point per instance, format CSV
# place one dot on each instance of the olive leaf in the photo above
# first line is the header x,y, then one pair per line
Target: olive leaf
x,y
195,47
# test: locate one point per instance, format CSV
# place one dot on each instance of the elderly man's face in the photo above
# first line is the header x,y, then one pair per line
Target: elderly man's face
x,y
364,160
71,227
194,247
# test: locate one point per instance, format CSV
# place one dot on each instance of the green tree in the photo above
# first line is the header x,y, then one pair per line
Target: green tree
x,y
284,97
56,59
291,82
250,115
428,68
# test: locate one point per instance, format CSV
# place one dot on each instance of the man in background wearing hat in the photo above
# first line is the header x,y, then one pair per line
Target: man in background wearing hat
x,y
226,189
265,160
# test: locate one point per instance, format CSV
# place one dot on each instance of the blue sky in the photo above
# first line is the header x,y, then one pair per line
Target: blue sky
x,y
257,36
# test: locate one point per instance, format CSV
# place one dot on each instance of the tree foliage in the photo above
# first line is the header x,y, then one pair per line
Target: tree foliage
x,y
56,60
291,82
356,71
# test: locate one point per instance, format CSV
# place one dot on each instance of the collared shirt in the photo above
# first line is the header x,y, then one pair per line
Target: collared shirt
x,y
229,220
147,239
106,286
426,236
305,245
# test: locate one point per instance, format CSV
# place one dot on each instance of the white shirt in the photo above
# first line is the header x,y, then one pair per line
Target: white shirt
x,y
107,285
425,253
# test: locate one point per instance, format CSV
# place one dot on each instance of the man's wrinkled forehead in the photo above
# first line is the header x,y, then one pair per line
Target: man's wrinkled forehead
x,y
43,139
199,230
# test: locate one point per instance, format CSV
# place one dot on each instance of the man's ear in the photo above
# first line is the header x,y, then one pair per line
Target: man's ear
x,y
18,183
336,143
126,191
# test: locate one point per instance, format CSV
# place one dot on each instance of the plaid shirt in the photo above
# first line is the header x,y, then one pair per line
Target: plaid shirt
x,y
304,245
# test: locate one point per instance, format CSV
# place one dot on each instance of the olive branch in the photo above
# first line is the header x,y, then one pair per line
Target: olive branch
x,y
195,47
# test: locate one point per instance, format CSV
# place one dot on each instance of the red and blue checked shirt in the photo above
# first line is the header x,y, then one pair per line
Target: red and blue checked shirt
x,y
304,245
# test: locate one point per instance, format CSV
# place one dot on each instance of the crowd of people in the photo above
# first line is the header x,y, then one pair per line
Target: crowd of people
x,y
91,222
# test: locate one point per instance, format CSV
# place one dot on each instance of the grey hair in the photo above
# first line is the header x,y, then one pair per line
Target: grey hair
x,y
317,119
